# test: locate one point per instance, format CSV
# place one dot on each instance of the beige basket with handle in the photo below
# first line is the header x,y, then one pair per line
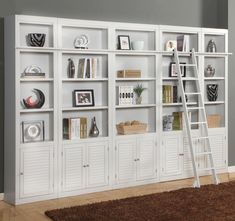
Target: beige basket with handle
x,y
131,129
213,120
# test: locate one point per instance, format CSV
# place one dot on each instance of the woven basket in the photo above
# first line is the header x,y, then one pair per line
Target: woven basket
x,y
132,129
213,120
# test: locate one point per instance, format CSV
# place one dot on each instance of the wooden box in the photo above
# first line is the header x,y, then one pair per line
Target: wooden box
x,y
131,129
129,74
213,120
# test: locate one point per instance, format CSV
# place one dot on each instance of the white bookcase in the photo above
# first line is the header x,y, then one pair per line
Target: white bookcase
x,y
56,167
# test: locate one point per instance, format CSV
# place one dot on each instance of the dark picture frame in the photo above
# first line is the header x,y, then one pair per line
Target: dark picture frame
x,y
124,42
83,98
172,70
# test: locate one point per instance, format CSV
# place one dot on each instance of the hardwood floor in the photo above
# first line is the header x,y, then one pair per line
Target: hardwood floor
x,y
35,211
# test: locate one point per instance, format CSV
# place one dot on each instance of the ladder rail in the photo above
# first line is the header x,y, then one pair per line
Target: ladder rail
x,y
202,117
178,69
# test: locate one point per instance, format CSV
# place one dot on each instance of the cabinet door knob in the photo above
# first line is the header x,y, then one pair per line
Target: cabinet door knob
x,y
181,154
84,166
21,173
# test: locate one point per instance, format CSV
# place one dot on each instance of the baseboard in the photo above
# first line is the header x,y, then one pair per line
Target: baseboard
x,y
1,196
231,169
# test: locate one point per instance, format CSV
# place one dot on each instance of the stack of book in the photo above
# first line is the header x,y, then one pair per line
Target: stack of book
x,y
169,94
179,120
125,95
88,68
74,128
183,43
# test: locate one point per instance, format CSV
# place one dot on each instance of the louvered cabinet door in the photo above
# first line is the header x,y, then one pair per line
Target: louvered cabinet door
x,y
36,171
97,164
146,158
125,160
73,167
172,155
218,146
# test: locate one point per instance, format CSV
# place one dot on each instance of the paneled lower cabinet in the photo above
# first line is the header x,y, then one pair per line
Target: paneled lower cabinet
x,y
135,159
85,166
36,171
63,77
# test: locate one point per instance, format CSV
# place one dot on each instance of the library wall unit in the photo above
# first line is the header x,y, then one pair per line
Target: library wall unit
x,y
45,158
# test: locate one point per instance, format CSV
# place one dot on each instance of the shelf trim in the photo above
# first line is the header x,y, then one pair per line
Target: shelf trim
x,y
84,108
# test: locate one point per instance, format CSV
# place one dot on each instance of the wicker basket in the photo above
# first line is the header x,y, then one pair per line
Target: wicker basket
x,y
213,120
132,129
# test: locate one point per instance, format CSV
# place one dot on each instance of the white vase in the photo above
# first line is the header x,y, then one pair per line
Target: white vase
x,y
137,45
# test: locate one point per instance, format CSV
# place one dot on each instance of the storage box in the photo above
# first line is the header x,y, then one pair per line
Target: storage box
x,y
131,129
213,120
129,74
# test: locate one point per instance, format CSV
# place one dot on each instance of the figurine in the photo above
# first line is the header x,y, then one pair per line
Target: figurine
x,y
94,132
71,68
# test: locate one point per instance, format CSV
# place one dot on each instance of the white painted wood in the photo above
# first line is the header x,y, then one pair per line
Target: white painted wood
x,y
97,164
155,161
1,196
73,167
36,172
146,158
125,160
172,155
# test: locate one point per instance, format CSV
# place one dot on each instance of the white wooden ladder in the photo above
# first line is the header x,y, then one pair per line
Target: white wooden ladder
x,y
201,123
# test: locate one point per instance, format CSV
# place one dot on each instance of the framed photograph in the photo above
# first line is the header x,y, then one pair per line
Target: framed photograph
x,y
33,131
173,72
83,98
124,42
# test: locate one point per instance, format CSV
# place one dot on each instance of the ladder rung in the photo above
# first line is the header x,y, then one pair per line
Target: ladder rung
x,y
189,79
206,169
188,65
200,138
195,108
194,93
196,123
203,153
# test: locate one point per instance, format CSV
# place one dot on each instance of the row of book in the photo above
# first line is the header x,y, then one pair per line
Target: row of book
x,y
88,68
169,94
176,121
74,128
125,95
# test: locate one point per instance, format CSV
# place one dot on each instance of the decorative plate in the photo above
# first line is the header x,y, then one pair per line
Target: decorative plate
x,y
81,42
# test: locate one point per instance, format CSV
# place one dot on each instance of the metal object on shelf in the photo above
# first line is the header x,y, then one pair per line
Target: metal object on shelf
x,y
94,132
81,42
29,102
211,47
71,68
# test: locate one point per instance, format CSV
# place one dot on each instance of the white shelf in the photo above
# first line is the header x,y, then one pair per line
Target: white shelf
x,y
135,79
176,79
177,104
88,139
213,78
135,106
37,49
36,144
36,110
85,108
213,102
135,135
134,52
84,80
36,80
83,51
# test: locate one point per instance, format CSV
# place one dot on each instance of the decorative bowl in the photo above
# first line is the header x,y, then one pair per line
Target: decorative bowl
x,y
36,39
137,45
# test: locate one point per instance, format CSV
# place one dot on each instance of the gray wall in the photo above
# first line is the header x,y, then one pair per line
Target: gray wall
x,y
231,97
205,13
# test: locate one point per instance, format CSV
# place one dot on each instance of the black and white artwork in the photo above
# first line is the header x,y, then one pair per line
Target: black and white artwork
x,y
212,92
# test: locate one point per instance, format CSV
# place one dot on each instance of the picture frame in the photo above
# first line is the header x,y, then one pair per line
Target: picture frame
x,y
172,71
33,131
83,98
124,42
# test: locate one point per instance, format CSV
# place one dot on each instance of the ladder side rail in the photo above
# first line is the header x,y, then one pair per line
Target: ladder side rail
x,y
188,126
